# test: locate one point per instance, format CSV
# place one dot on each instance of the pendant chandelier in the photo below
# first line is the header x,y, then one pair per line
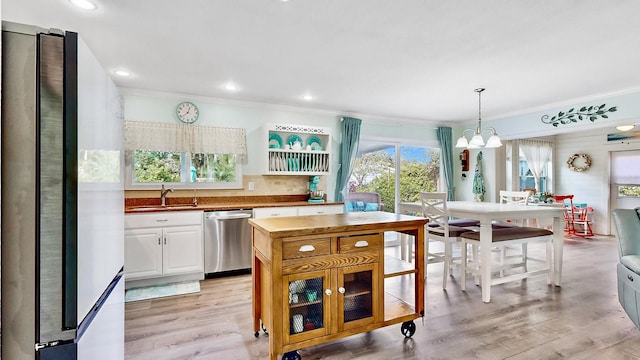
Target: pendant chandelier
x,y
477,141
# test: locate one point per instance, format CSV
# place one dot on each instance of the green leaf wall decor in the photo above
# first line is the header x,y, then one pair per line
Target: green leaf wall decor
x,y
592,113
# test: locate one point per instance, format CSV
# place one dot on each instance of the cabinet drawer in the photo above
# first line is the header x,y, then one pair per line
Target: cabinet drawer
x,y
358,243
320,210
162,219
306,248
275,212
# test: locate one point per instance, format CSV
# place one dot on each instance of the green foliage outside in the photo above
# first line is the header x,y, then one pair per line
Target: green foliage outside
x,y
214,167
166,167
156,166
375,172
629,190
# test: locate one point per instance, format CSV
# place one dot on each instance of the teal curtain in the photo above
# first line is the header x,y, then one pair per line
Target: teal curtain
x,y
348,151
446,153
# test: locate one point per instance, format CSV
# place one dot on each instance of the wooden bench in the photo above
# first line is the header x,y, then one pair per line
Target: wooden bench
x,y
503,237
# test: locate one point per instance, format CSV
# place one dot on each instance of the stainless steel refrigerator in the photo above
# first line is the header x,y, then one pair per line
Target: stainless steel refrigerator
x,y
62,200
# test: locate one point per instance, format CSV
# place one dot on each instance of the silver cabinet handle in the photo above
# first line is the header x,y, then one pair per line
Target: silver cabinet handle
x,y
159,243
306,248
165,239
162,220
361,243
328,292
341,290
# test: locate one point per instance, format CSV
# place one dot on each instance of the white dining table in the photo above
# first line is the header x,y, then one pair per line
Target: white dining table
x,y
487,213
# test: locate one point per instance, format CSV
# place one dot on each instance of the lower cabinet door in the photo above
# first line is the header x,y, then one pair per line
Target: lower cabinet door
x,y
359,298
183,251
307,299
143,253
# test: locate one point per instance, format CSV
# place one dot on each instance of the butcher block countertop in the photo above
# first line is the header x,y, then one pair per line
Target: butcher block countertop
x,y
279,227
146,205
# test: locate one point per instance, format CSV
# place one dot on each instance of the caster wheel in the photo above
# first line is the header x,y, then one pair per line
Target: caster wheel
x,y
257,334
408,328
292,355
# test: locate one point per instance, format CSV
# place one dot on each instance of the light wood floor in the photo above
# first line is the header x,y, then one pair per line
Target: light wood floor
x,y
525,320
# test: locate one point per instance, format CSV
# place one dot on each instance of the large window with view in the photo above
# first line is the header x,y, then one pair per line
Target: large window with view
x,y
398,173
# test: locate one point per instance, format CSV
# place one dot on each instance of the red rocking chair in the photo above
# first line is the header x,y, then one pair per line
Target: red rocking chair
x,y
575,216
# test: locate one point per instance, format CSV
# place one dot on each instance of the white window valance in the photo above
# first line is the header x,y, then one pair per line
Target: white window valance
x,y
140,135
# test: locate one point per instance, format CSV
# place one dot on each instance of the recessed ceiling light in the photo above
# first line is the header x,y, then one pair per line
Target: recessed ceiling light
x,y
230,87
123,73
308,97
625,127
84,4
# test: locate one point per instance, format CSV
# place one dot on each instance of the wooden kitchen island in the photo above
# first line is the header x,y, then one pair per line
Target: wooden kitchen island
x,y
320,278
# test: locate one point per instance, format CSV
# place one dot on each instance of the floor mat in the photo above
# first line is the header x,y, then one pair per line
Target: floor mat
x,y
157,291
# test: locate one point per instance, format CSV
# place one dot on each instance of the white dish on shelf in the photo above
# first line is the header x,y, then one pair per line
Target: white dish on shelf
x,y
275,140
314,142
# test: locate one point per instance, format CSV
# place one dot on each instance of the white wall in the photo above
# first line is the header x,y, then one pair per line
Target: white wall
x,y
160,107
591,186
590,137
582,136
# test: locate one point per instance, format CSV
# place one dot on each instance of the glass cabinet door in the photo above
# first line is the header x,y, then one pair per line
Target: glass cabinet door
x,y
358,298
306,304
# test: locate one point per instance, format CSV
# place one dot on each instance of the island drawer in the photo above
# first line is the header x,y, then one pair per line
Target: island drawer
x,y
306,248
356,243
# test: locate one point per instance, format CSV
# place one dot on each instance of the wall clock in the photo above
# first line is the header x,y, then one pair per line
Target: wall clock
x,y
187,112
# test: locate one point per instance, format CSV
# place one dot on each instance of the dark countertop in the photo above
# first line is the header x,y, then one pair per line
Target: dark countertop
x,y
146,205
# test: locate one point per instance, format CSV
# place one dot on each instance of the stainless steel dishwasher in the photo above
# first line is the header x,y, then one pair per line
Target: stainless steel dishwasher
x,y
227,241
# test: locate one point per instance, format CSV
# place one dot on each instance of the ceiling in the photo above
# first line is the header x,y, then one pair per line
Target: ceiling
x,y
414,61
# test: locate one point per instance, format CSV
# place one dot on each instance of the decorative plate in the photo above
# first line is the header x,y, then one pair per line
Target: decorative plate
x,y
293,138
275,141
314,142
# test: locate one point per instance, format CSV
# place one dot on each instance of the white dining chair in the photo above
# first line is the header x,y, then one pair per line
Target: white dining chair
x,y
434,208
514,198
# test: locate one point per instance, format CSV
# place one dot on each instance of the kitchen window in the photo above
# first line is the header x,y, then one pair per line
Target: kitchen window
x,y
149,168
207,157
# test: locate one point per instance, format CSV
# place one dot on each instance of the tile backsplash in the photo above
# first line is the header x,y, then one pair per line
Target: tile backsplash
x,y
263,185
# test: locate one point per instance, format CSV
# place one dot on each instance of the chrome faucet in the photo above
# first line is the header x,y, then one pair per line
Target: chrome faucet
x,y
194,202
163,195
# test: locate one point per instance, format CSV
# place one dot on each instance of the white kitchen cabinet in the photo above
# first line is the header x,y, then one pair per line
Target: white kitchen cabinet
x,y
182,250
143,253
163,244
296,150
297,210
